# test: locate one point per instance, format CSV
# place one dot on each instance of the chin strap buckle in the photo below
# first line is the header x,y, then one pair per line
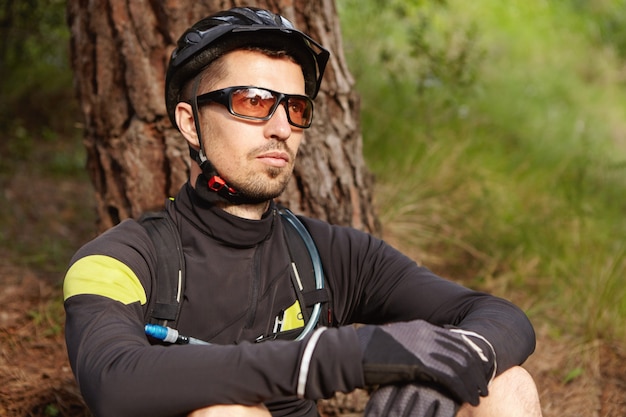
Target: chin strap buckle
x,y
218,184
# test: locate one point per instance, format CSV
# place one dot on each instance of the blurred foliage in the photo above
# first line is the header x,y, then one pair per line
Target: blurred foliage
x,y
44,187
36,94
417,72
606,21
497,132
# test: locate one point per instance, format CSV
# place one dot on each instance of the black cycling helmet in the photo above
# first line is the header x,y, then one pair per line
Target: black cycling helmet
x,y
232,29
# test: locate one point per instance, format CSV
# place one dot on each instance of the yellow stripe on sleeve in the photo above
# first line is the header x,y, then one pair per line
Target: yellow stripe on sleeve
x,y
105,276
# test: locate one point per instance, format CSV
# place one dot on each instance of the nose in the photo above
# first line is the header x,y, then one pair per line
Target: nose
x,y
278,126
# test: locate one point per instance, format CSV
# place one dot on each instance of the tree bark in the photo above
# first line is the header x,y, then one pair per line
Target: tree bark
x,y
136,159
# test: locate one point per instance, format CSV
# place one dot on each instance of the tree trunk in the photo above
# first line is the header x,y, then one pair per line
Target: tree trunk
x,y
136,159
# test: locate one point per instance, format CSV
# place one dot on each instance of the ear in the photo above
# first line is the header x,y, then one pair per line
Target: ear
x,y
186,125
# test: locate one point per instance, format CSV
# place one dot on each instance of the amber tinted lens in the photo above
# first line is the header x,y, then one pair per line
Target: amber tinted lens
x,y
259,103
252,102
300,111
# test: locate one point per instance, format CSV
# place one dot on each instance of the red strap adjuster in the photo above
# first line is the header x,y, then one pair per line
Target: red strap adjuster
x,y
217,183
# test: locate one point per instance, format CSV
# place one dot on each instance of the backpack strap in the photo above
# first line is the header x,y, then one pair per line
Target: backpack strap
x,y
308,274
167,288
169,283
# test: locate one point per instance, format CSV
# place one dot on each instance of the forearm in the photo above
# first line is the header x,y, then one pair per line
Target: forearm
x,y
415,293
120,374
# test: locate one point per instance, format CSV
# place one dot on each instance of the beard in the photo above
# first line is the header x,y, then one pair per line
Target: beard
x,y
267,187
269,183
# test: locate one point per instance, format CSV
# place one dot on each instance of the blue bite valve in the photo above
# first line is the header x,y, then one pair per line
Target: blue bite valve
x,y
169,335
161,333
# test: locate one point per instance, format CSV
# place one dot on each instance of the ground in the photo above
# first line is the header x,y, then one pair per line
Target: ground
x,y
574,379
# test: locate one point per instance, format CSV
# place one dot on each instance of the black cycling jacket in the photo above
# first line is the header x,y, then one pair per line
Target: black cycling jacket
x,y
238,283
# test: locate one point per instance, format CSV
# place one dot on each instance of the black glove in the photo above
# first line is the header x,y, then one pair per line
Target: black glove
x,y
459,361
411,400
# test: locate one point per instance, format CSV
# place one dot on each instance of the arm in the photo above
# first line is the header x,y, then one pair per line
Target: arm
x,y
120,373
441,332
382,285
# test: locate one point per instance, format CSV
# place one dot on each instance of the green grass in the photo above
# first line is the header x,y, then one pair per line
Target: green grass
x,y
497,132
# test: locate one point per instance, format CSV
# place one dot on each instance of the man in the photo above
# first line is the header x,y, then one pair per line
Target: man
x,y
239,88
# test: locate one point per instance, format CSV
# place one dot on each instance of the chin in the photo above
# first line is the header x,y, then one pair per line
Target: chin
x,y
265,188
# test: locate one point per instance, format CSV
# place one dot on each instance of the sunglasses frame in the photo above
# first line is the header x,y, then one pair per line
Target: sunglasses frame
x,y
224,97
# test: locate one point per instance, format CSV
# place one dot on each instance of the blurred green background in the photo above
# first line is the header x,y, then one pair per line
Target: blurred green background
x,y
496,131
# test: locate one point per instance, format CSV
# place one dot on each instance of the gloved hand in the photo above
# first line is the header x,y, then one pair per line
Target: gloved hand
x,y
410,400
459,361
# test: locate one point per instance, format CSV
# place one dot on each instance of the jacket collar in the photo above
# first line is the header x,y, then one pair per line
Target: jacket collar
x,y
220,225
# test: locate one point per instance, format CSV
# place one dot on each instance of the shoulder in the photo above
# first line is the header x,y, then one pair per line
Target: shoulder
x,y
124,240
326,234
117,264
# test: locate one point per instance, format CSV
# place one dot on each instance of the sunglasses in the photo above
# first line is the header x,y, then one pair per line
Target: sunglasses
x,y
255,103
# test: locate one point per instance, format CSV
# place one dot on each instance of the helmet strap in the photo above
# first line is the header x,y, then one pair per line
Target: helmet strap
x,y
198,155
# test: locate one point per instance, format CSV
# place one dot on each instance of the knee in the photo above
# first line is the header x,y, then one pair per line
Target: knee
x,y
512,393
515,381
232,410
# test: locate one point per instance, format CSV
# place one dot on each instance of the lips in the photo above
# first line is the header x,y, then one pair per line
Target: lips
x,y
275,155
275,158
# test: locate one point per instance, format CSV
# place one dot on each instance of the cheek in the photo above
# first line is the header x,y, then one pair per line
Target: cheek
x,y
222,155
219,138
227,149
298,138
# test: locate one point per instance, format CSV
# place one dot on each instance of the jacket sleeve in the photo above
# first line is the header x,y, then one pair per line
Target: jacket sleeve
x,y
121,374
373,283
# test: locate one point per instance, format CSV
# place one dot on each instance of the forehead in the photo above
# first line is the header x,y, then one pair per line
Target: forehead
x,y
251,67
